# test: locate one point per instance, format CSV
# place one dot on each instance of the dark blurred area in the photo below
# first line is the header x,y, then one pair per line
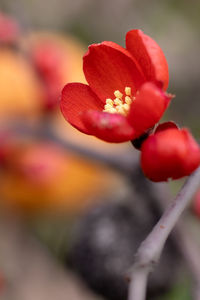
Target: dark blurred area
x,y
105,244
75,209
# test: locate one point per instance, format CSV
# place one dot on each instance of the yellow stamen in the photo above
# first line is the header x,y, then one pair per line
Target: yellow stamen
x,y
126,107
121,104
118,94
128,91
108,106
117,101
120,109
109,101
128,100
112,110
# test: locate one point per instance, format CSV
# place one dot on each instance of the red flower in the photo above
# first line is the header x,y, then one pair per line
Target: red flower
x,y
125,92
9,29
169,153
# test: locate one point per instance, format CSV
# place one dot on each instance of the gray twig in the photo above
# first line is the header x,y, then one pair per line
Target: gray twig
x,y
150,250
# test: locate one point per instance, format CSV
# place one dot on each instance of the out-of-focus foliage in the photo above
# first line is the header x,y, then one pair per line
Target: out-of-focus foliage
x,y
179,292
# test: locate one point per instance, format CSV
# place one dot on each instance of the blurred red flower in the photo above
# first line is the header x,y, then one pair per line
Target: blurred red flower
x,y
169,153
136,77
9,29
48,58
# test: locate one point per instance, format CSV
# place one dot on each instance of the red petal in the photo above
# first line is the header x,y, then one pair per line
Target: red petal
x,y
193,153
109,67
170,153
149,56
148,107
77,98
166,125
112,128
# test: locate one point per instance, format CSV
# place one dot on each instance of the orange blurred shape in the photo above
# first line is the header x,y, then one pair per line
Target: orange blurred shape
x,y
9,29
57,60
43,178
20,89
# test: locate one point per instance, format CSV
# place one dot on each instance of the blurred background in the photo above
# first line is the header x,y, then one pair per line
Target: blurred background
x,y
73,209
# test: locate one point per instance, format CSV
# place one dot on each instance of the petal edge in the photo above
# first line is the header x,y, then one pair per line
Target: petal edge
x,y
148,107
112,128
109,67
75,99
149,56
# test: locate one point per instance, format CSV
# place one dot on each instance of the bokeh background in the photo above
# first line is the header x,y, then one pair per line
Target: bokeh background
x,y
66,198
174,24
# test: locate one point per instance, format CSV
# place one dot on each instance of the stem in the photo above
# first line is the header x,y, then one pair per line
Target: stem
x,y
137,289
150,250
125,163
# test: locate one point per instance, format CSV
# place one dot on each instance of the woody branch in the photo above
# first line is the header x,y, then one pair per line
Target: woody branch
x,y
151,248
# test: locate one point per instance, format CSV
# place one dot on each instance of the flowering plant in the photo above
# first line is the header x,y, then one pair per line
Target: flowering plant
x,y
125,95
125,98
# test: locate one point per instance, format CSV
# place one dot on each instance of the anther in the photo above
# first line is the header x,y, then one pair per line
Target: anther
x,y
118,94
117,101
120,109
128,91
109,101
108,106
112,111
126,107
128,100
121,104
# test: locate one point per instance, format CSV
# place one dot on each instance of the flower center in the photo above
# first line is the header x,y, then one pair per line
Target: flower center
x,y
120,104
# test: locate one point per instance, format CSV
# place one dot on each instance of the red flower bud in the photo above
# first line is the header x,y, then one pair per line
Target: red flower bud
x,y
169,153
